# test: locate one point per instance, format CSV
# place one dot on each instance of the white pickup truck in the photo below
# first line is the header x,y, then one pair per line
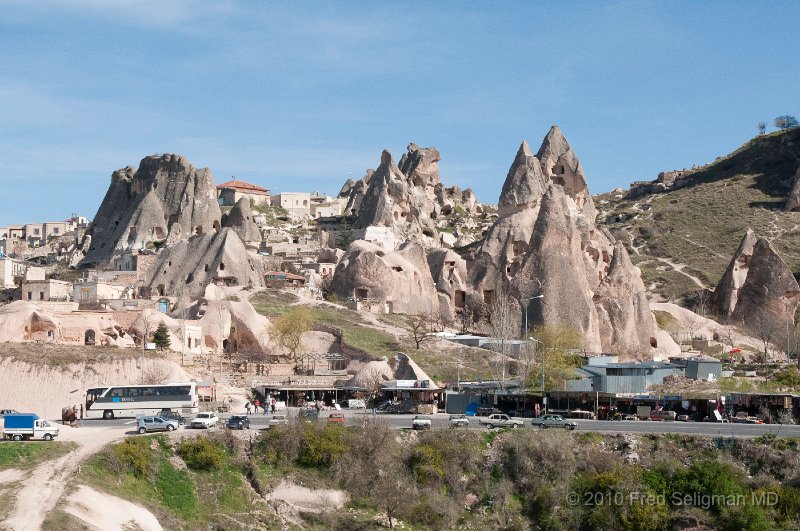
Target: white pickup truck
x,y
205,420
24,426
499,420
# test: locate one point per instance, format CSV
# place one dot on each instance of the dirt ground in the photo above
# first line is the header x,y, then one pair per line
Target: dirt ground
x,y
44,486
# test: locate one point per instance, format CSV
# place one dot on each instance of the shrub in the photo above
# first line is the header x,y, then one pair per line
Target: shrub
x,y
321,446
201,454
132,456
427,463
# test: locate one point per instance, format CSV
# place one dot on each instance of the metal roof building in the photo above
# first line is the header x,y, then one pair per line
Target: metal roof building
x,y
622,377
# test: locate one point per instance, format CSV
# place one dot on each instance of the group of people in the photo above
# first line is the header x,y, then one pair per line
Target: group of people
x,y
269,403
71,414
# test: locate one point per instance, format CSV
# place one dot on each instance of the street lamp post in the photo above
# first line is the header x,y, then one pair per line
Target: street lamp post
x,y
526,311
544,400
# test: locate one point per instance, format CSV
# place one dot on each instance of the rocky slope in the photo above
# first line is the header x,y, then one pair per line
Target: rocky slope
x,y
682,228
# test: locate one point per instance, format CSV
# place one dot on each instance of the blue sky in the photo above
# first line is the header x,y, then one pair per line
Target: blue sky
x,y
300,95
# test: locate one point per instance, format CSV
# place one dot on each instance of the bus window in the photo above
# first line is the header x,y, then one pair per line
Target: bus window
x,y
93,394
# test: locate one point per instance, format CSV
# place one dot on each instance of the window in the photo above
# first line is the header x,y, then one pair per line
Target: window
x,y
30,295
35,232
55,230
41,295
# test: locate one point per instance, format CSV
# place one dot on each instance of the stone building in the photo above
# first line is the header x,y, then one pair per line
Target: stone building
x,y
230,192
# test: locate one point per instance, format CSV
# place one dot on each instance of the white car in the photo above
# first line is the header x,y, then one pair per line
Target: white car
x,y
278,420
499,420
459,421
205,420
421,422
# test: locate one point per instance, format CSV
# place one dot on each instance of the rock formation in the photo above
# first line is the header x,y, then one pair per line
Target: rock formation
x,y
240,220
726,294
188,266
166,199
354,192
793,202
758,288
545,242
449,272
407,197
401,278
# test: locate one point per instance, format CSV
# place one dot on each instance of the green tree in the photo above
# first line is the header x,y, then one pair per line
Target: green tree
x,y
161,336
289,329
557,345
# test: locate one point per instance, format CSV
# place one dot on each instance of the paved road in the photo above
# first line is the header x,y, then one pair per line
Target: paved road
x,y
440,420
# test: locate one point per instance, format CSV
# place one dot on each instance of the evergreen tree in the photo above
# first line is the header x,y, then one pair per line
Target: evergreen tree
x,y
161,336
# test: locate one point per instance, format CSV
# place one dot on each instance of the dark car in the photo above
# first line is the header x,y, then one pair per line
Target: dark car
x,y
238,422
168,414
308,414
408,406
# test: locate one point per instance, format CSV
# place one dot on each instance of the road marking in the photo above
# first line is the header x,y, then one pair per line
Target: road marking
x,y
130,422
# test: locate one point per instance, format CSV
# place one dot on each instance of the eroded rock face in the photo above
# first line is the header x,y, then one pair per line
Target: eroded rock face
x,y
626,322
554,267
166,199
561,165
726,294
793,202
186,268
407,197
758,289
449,272
401,278
545,242
240,219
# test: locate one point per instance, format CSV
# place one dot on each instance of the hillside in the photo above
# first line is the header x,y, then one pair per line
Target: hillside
x,y
684,237
306,476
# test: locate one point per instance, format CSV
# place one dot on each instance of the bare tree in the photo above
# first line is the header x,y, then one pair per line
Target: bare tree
x,y
728,335
472,313
419,329
156,374
765,329
785,121
502,317
691,323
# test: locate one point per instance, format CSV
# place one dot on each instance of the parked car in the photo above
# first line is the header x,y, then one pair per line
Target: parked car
x,y
459,421
238,422
501,420
554,421
172,415
24,426
682,418
308,414
356,403
205,420
278,420
407,406
336,418
148,424
421,422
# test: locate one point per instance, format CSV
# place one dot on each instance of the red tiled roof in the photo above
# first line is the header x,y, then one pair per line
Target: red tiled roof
x,y
243,186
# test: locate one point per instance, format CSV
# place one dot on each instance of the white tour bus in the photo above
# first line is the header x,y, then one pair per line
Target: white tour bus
x,y
135,400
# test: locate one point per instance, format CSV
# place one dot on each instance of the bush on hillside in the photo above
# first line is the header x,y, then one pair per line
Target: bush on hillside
x,y
201,454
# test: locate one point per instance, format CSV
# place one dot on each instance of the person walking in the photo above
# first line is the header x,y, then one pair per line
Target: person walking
x,y
247,407
273,405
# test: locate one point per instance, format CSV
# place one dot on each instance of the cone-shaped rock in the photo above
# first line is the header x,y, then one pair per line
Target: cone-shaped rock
x,y
165,199
726,294
240,219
